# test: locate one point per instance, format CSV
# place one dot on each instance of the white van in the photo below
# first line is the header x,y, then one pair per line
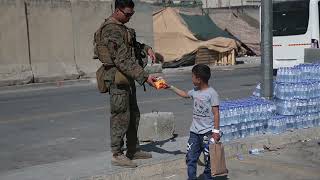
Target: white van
x,y
295,27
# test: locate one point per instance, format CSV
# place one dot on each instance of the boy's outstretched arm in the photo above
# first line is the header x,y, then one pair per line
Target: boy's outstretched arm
x,y
179,92
216,121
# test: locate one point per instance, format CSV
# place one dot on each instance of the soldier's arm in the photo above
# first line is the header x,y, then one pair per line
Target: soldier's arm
x,y
123,60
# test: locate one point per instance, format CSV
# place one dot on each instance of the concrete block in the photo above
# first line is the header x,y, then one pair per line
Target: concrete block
x,y
15,67
156,126
51,40
87,16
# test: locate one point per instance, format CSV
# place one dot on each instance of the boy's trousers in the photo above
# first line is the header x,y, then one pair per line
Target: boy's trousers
x,y
195,147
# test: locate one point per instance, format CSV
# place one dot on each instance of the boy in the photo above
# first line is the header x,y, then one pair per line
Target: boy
x,y
205,118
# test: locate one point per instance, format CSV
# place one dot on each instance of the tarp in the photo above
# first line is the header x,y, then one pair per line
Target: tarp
x,y
203,28
173,39
235,24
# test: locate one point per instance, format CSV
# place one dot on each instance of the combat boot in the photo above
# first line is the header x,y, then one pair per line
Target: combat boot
x,y
139,155
122,160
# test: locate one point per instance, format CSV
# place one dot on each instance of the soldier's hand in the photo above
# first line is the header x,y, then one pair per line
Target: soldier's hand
x,y
151,80
152,55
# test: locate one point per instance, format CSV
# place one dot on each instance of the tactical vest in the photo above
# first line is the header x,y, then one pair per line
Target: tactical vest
x,y
101,52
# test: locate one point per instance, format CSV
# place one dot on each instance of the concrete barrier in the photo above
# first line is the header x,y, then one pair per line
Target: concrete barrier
x,y
14,57
156,126
87,17
51,40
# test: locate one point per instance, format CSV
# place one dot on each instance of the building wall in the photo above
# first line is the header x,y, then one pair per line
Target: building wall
x,y
229,3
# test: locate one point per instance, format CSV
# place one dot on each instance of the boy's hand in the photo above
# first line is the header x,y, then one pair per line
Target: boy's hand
x,y
216,137
167,86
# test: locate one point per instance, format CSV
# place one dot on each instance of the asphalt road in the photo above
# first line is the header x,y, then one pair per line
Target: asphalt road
x,y
58,123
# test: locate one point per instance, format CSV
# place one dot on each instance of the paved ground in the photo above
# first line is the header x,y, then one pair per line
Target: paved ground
x,y
296,161
47,124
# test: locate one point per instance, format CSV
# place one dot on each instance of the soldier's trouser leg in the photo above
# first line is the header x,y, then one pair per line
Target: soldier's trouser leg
x,y
132,133
120,117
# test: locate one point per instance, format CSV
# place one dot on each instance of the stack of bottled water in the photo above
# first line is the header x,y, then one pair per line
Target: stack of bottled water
x,y
277,124
297,98
296,105
298,90
245,117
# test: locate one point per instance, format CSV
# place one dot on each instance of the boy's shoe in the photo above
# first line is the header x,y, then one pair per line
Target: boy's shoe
x,y
139,155
122,160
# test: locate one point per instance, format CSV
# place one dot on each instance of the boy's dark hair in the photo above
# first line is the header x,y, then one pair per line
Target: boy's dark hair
x,y
202,71
120,4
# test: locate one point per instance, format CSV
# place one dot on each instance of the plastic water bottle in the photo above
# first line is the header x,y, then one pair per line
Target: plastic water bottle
x,y
256,92
256,151
299,121
235,132
317,121
290,122
243,130
226,133
207,142
222,116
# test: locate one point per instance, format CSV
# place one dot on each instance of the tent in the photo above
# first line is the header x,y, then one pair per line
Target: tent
x,y
174,40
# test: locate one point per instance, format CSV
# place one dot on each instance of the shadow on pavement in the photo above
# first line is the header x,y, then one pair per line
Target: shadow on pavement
x,y
201,177
156,147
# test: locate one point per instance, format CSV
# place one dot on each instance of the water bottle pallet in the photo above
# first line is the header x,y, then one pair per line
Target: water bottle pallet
x,y
297,106
276,125
296,102
302,90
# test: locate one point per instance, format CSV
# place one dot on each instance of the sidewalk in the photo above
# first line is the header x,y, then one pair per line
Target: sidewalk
x,y
295,161
168,162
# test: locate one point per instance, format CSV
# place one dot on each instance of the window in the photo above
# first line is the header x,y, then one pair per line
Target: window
x,y
290,17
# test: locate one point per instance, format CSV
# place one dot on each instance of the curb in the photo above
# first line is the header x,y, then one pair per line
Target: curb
x,y
144,172
47,85
232,149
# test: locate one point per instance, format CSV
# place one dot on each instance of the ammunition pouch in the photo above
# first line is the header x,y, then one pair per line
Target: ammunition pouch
x,y
120,79
104,78
100,50
103,54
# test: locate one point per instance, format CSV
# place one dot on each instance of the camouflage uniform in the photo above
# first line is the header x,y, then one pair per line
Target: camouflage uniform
x,y
125,114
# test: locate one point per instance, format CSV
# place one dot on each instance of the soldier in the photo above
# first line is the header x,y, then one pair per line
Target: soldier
x,y
116,47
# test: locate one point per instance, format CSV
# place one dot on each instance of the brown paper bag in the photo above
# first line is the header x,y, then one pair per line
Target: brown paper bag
x,y
217,160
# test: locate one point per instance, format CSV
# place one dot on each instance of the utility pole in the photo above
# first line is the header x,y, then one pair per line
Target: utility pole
x,y
266,49
207,10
